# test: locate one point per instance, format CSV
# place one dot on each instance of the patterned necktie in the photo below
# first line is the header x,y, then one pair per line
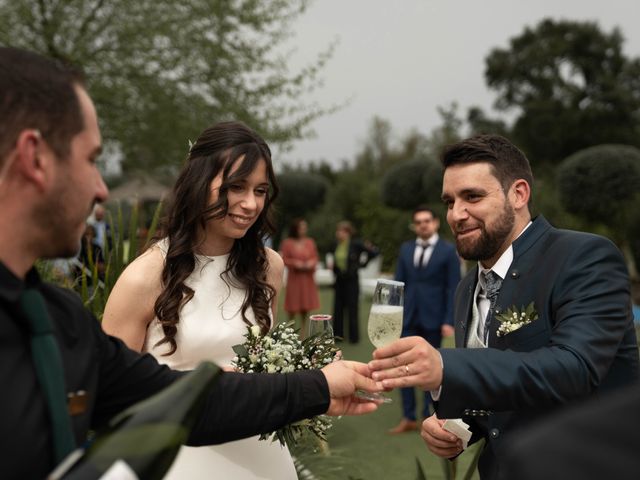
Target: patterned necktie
x,y
48,366
492,284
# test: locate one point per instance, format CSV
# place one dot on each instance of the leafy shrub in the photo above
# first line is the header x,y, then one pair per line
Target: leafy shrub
x,y
117,254
402,185
599,183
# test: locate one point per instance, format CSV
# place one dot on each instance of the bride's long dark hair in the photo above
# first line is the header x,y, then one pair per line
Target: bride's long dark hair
x,y
216,150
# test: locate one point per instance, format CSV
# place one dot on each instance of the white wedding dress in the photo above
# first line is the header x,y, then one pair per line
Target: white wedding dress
x,y
210,324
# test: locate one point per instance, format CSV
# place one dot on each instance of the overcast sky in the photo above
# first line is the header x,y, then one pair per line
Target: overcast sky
x,y
401,59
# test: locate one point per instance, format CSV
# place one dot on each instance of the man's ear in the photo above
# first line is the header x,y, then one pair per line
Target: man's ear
x,y
521,192
33,157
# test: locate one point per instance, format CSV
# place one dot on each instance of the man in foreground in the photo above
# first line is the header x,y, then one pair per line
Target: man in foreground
x,y
544,319
49,182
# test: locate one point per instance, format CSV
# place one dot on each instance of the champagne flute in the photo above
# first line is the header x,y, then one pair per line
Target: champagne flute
x,y
319,324
385,317
321,327
385,320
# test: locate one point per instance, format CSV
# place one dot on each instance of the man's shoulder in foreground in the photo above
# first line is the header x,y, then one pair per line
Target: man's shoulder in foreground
x,y
597,439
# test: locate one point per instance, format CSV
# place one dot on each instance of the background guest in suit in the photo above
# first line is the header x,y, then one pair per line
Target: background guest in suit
x,y
572,333
349,255
101,226
300,256
430,270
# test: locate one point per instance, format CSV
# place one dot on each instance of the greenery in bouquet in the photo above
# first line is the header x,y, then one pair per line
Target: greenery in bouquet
x,y
282,351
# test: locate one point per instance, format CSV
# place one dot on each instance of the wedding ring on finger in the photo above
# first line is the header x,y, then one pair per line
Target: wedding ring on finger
x,y
406,370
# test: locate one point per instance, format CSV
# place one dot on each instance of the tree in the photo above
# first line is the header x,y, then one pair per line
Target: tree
x,y
300,194
572,88
600,184
377,153
480,123
160,71
446,133
432,183
402,186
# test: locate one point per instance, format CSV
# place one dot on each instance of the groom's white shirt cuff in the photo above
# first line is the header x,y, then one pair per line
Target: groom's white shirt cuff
x,y
435,394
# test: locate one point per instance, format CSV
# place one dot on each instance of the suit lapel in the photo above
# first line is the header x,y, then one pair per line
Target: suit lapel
x,y
530,236
410,250
521,264
465,312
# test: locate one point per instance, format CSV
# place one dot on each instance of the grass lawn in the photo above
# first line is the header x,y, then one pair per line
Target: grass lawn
x,y
359,447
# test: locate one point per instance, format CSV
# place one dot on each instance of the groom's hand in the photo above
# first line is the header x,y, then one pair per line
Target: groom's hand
x,y
442,443
344,378
408,362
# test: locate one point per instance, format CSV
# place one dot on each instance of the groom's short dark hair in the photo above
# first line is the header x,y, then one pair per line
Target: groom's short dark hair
x,y
507,161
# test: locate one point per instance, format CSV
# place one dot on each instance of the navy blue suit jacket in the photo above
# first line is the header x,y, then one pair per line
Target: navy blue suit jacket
x,y
429,290
582,343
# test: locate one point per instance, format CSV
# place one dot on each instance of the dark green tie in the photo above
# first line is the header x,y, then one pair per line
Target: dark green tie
x,y
48,365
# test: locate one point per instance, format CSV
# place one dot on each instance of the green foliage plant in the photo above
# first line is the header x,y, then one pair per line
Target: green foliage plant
x,y
158,70
402,185
601,185
122,248
301,194
570,85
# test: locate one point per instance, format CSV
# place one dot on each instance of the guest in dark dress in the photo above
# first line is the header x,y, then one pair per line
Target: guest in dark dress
x,y
349,255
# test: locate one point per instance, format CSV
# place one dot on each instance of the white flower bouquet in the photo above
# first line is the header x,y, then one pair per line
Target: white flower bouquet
x,y
282,351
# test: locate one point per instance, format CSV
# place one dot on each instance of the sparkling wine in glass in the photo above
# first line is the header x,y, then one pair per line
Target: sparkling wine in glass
x,y
385,320
385,317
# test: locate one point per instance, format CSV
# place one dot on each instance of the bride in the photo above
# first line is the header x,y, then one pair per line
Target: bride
x,y
191,296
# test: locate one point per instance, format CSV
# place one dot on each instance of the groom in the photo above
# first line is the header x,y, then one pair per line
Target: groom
x,y
544,320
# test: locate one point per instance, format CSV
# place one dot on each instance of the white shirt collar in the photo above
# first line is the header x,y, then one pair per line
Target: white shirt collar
x,y
433,239
501,267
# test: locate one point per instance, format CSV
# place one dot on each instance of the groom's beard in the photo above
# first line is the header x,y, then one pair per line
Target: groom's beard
x,y
490,240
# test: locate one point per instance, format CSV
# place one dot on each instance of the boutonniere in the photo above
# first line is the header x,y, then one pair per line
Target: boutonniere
x,y
515,318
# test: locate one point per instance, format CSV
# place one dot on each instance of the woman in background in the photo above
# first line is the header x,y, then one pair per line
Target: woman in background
x,y
300,256
349,255
191,296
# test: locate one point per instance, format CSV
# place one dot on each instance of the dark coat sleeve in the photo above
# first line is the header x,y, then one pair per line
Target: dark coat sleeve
x,y
241,405
595,440
238,405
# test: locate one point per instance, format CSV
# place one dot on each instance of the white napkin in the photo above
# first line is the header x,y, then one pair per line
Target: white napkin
x,y
459,429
